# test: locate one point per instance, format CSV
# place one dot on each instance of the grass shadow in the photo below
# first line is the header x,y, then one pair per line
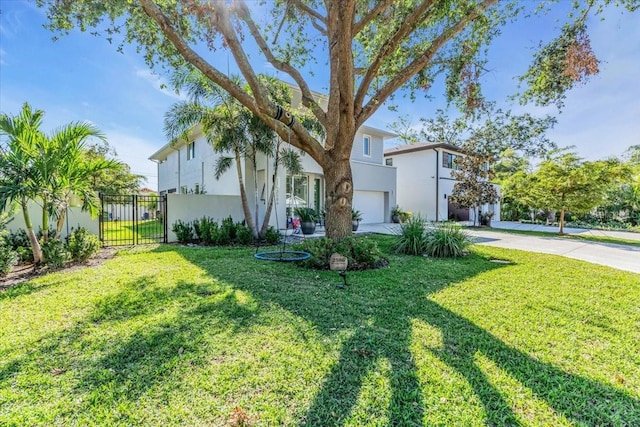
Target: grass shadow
x,y
383,331
123,366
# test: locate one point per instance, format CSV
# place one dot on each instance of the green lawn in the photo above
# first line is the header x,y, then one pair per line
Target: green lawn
x,y
173,335
124,232
599,239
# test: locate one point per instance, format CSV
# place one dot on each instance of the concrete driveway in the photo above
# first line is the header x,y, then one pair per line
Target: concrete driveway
x,y
622,257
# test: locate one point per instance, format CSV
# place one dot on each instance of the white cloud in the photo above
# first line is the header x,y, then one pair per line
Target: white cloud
x,y
158,82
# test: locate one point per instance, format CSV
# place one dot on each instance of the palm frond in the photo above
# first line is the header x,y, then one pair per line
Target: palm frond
x,y
222,165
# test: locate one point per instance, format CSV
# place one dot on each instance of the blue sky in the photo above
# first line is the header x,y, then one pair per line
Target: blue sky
x,y
82,77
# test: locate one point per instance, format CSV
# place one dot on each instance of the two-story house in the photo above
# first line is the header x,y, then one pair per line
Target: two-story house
x,y
186,166
424,181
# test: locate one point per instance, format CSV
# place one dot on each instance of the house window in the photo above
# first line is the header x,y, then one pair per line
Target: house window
x,y
196,189
183,189
366,145
449,160
191,150
389,161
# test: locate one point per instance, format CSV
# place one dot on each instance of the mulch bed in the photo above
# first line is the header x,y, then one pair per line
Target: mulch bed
x,y
24,272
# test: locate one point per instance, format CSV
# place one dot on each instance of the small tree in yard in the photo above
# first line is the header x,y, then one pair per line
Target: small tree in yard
x,y
370,50
564,182
20,180
473,188
49,169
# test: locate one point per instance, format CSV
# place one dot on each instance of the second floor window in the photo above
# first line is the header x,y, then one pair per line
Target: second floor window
x,y
191,150
449,160
366,145
389,161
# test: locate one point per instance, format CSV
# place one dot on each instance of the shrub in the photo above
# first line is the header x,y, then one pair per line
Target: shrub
x,y
210,233
228,227
223,237
271,236
55,253
361,252
8,258
183,230
447,240
52,232
82,244
19,242
203,230
244,234
412,239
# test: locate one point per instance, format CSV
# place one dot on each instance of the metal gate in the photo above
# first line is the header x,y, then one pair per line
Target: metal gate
x,y
132,219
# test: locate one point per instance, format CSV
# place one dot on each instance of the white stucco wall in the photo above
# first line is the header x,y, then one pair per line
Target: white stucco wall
x,y
377,148
188,207
416,183
176,171
75,219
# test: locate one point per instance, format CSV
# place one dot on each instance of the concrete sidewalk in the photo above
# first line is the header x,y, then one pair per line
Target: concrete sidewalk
x,y
622,257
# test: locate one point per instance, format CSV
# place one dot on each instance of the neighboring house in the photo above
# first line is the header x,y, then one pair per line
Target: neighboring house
x,y
425,183
187,167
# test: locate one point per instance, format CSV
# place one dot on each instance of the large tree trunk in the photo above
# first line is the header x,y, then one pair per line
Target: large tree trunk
x,y
339,198
33,239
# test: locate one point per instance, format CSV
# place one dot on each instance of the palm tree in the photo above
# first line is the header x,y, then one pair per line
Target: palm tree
x,y
49,169
229,128
20,180
67,148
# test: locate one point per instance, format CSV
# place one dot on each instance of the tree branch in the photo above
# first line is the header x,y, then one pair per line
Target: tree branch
x,y
309,11
301,137
419,63
406,28
307,97
378,8
223,24
193,58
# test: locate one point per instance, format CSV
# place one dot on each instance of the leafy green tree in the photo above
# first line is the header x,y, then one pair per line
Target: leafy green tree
x,y
116,180
507,170
564,182
623,198
371,50
491,131
473,187
20,180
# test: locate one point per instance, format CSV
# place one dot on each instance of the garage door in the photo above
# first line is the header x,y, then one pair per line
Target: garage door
x,y
371,204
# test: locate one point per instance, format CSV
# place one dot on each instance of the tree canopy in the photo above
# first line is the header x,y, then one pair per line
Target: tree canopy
x,y
371,49
565,182
117,180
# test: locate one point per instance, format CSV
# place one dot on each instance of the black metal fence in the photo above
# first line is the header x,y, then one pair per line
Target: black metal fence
x,y
131,219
